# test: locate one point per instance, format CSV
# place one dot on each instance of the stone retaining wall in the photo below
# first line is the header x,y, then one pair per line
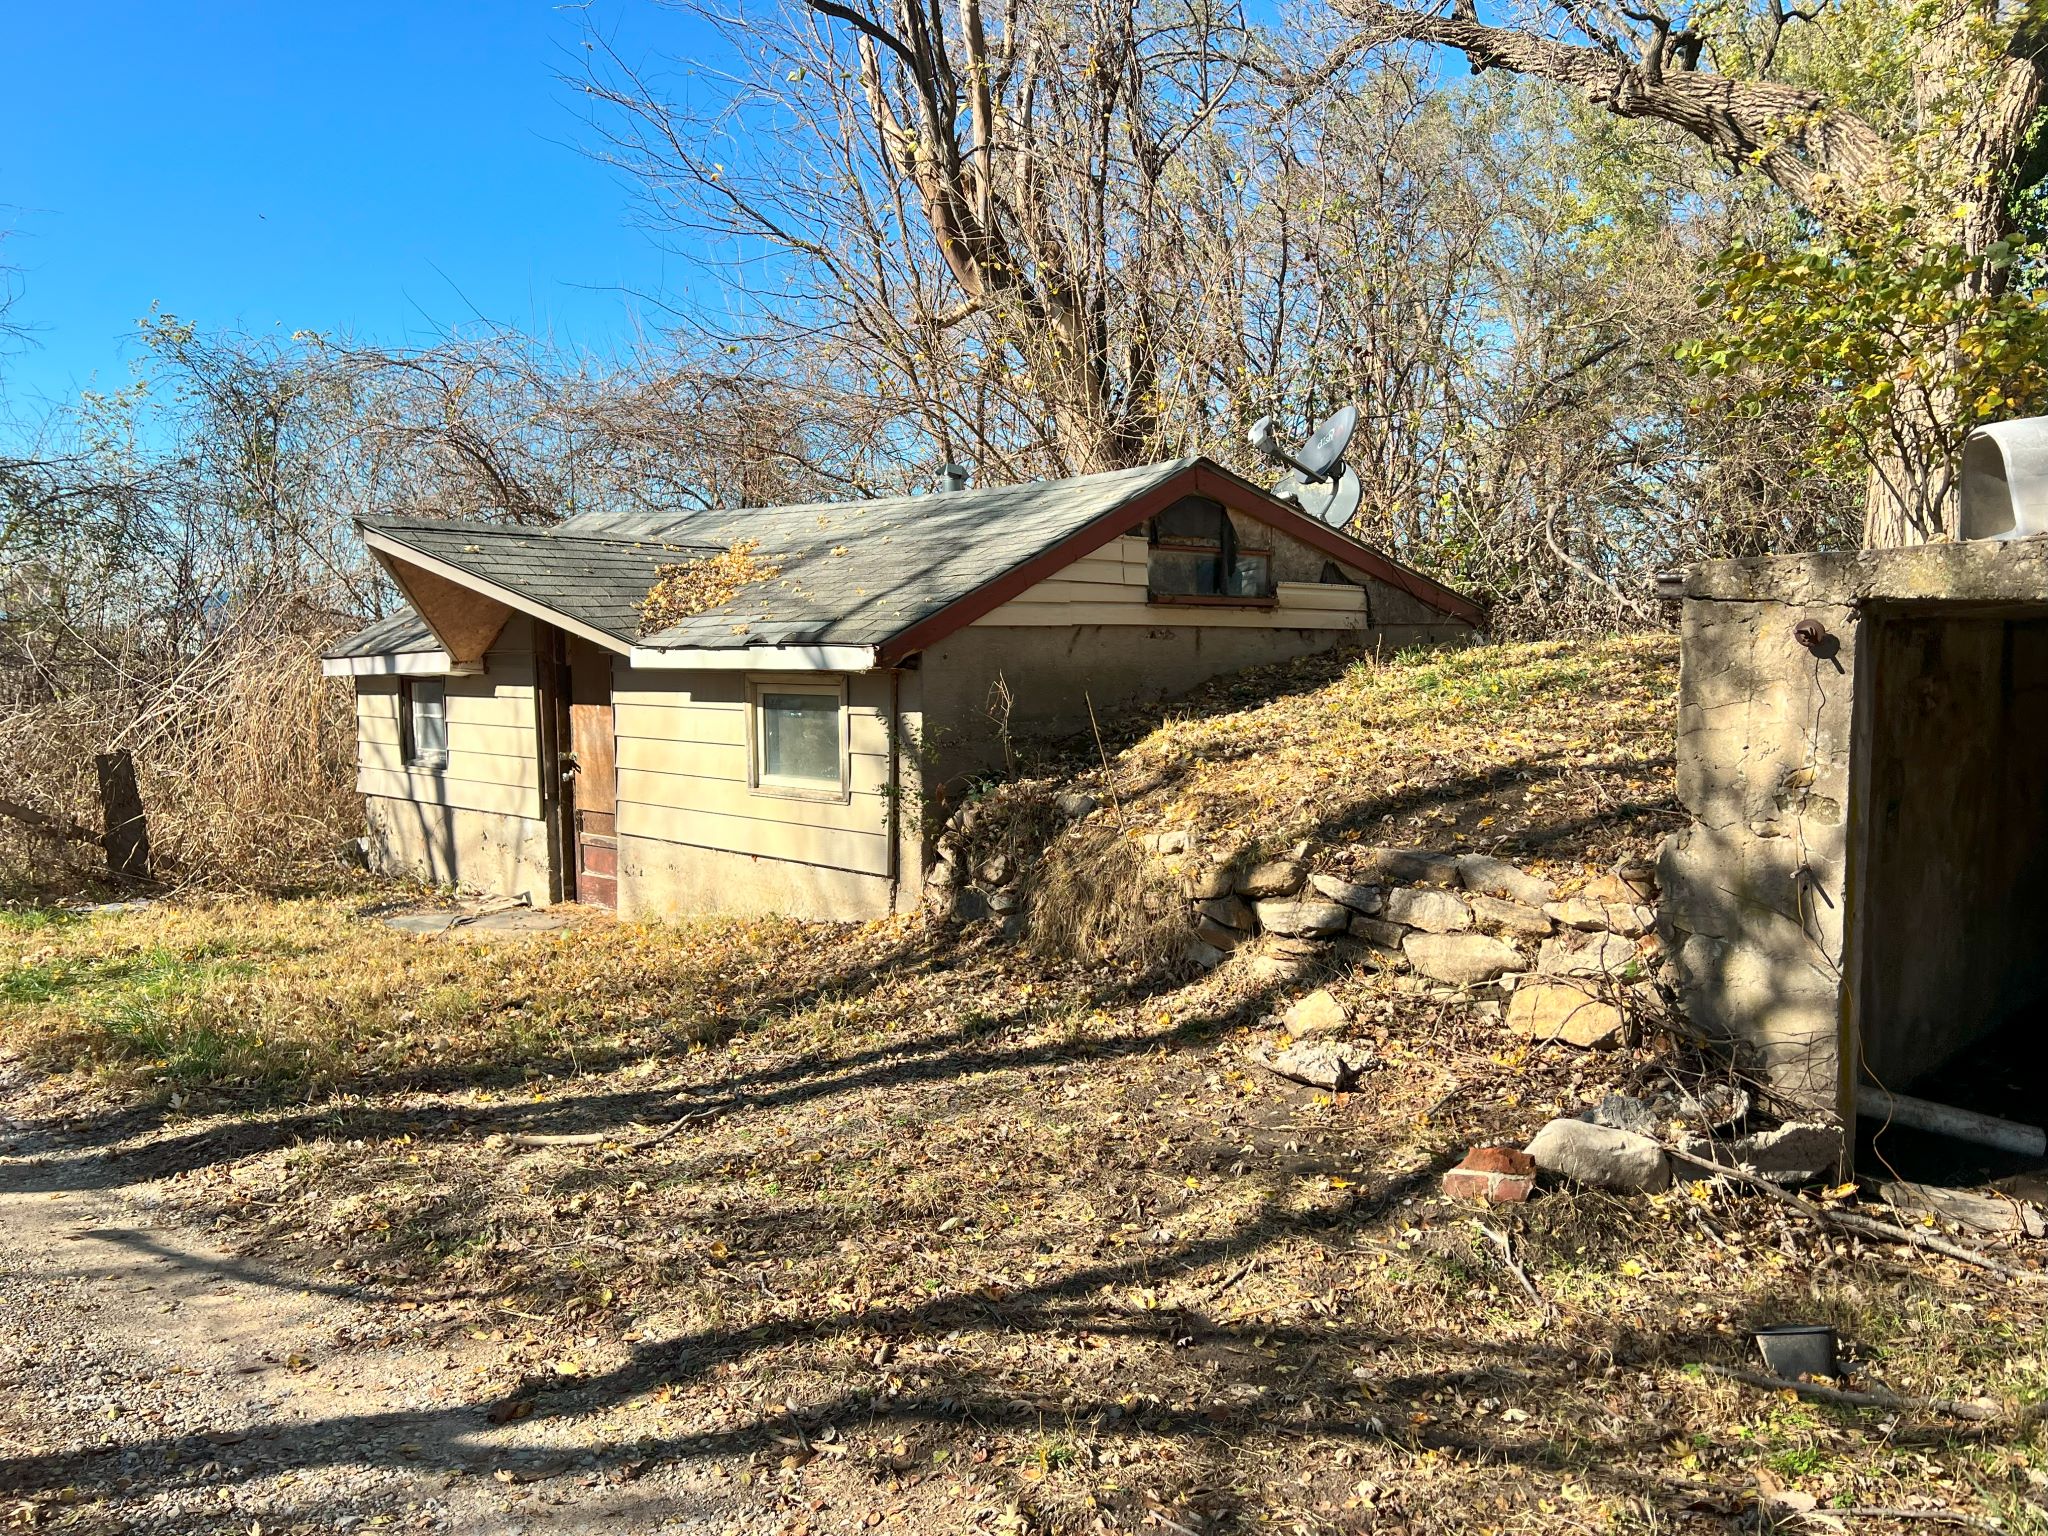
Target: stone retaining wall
x,y
1568,965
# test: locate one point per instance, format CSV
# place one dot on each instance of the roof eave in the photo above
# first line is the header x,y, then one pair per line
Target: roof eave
x,y
399,664
756,658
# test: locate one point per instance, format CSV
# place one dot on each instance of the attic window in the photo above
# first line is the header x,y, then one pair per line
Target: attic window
x,y
1195,557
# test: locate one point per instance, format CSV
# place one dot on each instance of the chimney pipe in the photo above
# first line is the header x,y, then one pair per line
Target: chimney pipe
x,y
952,477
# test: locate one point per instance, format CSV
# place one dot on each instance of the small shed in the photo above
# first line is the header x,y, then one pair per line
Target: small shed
x,y
1858,893
521,732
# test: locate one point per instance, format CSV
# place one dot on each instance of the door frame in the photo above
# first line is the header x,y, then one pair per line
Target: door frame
x,y
551,724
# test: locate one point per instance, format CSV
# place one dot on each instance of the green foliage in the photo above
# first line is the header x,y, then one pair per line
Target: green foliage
x,y
1899,343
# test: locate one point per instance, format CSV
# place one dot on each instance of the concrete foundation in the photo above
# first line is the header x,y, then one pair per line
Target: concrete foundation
x,y
1861,740
671,880
447,845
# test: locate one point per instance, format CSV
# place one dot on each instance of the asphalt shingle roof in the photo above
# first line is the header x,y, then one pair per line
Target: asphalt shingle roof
x,y
402,633
852,572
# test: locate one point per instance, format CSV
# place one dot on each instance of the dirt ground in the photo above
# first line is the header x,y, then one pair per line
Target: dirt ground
x,y
311,1224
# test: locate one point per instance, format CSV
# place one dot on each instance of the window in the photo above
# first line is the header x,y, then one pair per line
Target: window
x,y
423,721
1195,557
800,737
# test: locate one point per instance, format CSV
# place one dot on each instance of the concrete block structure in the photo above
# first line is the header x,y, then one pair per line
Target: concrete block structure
x,y
1858,894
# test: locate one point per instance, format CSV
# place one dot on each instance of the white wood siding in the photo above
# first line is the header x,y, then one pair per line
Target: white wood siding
x,y
683,773
492,750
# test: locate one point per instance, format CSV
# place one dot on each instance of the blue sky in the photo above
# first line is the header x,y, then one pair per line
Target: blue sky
x,y
379,168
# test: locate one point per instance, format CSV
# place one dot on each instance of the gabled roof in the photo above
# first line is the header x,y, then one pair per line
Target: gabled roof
x,y
890,575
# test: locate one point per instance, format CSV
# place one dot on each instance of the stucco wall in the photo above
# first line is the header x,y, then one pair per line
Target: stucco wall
x,y
1797,899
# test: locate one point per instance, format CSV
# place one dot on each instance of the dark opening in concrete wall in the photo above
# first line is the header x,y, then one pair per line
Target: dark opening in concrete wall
x,y
1952,924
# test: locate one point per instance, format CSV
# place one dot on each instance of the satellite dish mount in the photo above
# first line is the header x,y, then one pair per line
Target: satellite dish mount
x,y
1317,479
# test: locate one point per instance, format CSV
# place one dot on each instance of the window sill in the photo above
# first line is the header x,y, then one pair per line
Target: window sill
x,y
817,794
1194,600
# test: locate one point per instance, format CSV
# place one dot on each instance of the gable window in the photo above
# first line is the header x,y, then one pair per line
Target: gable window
x,y
799,732
423,721
1194,556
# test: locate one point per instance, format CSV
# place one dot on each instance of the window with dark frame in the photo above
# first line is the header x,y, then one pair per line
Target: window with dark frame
x,y
1195,557
423,722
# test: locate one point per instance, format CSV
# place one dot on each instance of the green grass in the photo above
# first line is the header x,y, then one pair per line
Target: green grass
x,y
33,919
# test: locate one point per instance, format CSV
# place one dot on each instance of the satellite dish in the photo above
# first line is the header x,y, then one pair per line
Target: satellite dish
x,y
1324,451
1318,480
1334,501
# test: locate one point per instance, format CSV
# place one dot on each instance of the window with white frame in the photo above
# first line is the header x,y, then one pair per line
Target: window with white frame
x,y
800,736
423,721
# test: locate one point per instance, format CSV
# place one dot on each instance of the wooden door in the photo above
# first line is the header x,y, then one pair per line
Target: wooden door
x,y
593,775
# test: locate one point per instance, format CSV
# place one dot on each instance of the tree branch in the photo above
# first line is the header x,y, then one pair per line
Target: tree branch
x,y
1820,155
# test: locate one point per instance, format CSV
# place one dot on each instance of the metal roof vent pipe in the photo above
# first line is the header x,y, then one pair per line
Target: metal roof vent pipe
x,y
952,477
2005,480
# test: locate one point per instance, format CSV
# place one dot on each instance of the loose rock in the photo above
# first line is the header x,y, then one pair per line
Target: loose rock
x,y
1798,1152
1592,954
1210,931
1319,1063
1608,890
1549,1009
1640,876
1406,866
1214,881
1378,933
1304,918
1631,921
1368,899
1276,877
1317,1014
1499,915
1601,1156
1074,806
1431,911
1577,912
1462,959
1175,841
1228,911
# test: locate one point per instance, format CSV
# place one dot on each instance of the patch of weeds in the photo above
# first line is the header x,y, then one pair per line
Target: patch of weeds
x,y
36,919
1803,1461
1051,1454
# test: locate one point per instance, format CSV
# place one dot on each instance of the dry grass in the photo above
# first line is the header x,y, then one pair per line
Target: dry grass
x,y
973,1240
1550,753
245,759
1096,896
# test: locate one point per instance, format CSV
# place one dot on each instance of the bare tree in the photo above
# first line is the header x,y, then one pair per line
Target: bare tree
x,y
972,217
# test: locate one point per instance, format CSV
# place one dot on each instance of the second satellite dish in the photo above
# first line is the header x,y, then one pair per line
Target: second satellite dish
x,y
1318,479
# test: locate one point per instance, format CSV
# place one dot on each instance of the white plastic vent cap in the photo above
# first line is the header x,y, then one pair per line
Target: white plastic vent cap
x,y
2005,480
